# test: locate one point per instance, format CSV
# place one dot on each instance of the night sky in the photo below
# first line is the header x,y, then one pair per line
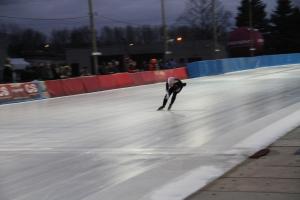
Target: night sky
x,y
109,12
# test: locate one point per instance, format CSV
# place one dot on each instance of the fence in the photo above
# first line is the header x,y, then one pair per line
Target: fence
x,y
16,92
215,67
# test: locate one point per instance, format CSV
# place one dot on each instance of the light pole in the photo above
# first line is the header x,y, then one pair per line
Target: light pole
x,y
215,45
165,32
95,52
252,49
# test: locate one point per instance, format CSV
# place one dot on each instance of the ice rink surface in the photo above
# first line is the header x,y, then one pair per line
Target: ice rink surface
x,y
114,145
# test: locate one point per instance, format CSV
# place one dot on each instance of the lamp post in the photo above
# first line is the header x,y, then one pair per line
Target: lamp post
x,y
95,52
251,49
165,32
215,45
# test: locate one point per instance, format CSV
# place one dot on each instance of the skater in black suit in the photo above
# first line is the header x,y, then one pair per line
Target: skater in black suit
x,y
173,87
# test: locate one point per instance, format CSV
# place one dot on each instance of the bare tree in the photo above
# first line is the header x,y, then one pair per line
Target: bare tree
x,y
297,3
106,36
27,41
80,37
60,39
198,14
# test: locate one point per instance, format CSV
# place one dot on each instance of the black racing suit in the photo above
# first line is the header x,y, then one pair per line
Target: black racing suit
x,y
173,90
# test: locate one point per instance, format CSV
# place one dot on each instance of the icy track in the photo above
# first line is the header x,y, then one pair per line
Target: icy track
x,y
114,145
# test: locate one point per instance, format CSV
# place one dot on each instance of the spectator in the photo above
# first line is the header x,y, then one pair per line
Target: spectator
x,y
145,66
111,68
55,71
65,71
125,64
153,64
173,63
85,72
116,65
162,65
102,69
132,66
47,73
7,72
29,74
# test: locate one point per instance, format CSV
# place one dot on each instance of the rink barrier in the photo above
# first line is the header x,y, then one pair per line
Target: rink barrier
x,y
148,77
107,82
90,83
55,88
18,92
86,84
72,86
160,76
215,67
137,78
123,80
180,73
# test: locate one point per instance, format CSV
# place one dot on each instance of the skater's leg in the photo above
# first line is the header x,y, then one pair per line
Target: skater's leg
x,y
172,100
164,102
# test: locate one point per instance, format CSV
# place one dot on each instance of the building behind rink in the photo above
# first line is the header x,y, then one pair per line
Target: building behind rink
x,y
182,53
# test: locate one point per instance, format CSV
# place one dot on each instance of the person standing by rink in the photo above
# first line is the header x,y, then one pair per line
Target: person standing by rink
x,y
173,87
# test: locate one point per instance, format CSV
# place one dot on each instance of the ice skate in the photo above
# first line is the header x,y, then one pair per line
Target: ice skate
x,y
160,108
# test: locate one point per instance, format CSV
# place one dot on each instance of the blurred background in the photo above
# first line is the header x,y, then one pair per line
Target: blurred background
x,y
45,40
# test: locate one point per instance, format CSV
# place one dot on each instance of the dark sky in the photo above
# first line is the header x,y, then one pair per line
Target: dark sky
x,y
110,12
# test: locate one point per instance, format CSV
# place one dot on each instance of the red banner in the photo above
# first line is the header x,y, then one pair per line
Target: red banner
x,y
73,86
55,88
18,91
5,92
79,85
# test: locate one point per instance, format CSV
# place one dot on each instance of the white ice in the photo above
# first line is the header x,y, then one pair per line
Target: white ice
x,y
114,145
